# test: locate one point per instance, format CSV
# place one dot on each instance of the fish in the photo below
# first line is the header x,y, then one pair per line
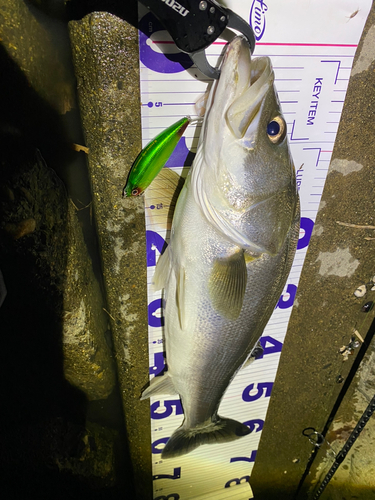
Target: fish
x,y
153,157
233,239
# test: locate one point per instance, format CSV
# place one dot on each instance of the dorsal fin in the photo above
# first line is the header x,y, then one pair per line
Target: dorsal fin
x,y
161,197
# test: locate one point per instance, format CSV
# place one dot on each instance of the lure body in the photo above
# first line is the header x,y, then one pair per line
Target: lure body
x,y
153,157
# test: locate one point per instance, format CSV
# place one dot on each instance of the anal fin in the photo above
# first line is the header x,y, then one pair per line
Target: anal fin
x,y
159,386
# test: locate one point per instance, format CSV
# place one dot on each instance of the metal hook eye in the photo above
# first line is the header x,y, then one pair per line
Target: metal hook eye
x,y
314,436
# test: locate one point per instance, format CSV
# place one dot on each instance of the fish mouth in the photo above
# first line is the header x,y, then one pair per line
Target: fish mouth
x,y
242,86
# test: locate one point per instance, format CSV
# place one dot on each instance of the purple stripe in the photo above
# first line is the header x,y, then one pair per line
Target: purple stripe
x,y
171,79
179,104
171,92
288,67
164,116
306,55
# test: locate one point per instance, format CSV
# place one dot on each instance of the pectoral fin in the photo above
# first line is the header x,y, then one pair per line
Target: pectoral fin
x,y
227,285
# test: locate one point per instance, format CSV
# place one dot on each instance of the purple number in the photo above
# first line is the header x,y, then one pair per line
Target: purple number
x,y
154,242
154,447
255,422
275,346
245,459
159,366
243,479
263,388
290,295
161,63
169,407
307,226
154,320
176,474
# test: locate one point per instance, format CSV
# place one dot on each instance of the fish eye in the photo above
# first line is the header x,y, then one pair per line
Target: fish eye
x,y
276,130
136,191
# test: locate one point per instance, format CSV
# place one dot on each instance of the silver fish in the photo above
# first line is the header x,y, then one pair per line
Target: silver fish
x,y
233,240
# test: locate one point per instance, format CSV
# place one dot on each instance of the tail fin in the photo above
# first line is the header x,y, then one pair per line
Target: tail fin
x,y
185,440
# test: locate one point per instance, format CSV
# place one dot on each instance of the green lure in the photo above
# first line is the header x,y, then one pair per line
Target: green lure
x,y
153,157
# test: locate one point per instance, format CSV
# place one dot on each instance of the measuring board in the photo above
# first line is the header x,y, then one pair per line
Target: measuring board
x,y
311,44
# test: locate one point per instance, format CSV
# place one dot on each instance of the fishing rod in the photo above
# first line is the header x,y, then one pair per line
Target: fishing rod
x,y
367,414
320,437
